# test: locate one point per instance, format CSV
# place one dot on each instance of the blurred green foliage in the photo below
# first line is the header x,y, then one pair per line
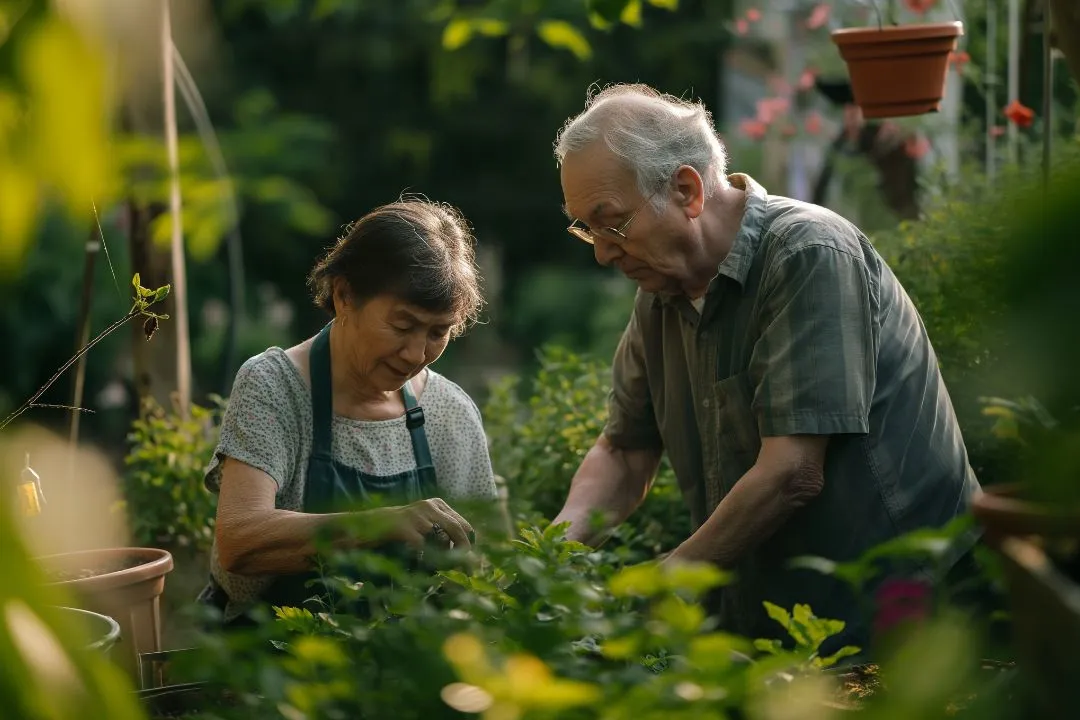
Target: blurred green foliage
x,y
164,496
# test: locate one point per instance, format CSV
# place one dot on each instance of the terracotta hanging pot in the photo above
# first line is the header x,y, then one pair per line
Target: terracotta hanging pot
x,y
898,71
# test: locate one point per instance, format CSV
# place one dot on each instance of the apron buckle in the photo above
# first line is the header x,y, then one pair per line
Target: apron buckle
x,y
414,417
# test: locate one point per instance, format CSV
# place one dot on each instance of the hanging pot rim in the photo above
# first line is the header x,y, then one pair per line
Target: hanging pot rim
x,y
897,33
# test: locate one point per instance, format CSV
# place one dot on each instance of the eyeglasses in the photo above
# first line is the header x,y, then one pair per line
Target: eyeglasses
x,y
615,234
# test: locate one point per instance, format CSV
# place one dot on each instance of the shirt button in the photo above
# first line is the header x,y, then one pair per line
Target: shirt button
x,y
706,402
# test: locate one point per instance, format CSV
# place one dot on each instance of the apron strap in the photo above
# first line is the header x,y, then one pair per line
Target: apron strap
x,y
414,421
322,398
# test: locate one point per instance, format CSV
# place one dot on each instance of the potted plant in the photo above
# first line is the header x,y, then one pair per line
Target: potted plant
x,y
125,583
898,70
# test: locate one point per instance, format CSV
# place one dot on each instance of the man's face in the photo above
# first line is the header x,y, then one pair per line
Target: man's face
x,y
600,193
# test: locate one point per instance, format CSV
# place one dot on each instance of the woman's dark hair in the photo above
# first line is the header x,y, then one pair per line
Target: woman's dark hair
x,y
416,250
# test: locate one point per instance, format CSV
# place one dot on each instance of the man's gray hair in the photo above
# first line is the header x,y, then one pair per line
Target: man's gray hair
x,y
653,133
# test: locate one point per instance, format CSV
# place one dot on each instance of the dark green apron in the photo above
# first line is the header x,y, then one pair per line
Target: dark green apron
x,y
333,487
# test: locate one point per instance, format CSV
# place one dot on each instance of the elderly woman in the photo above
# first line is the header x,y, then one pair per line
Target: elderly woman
x,y
313,433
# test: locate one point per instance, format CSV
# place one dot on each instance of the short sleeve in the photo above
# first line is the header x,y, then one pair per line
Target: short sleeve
x,y
813,365
459,445
631,422
260,426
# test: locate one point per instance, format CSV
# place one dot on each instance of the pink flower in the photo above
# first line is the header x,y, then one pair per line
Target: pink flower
x,y
753,14
813,122
779,85
742,26
919,7
997,131
753,129
768,109
916,147
818,16
806,79
958,59
901,601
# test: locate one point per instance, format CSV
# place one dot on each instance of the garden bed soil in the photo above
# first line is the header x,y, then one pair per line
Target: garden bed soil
x,y
857,685
62,574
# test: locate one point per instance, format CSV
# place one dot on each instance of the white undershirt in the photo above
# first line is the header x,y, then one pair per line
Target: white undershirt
x,y
698,303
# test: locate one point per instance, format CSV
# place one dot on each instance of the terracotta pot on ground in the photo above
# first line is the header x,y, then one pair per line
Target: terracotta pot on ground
x,y
123,583
1003,512
898,71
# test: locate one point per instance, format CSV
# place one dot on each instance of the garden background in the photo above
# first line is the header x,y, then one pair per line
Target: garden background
x,y
294,117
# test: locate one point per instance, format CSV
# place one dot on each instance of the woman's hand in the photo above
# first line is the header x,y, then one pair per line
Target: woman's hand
x,y
430,520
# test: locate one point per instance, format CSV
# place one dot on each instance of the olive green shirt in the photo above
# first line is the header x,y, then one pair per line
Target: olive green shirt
x,y
804,330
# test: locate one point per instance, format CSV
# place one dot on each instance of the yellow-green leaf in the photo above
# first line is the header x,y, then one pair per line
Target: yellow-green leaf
x,y
644,579
621,648
631,13
680,615
457,33
19,197
665,4
561,34
65,77
490,27
695,577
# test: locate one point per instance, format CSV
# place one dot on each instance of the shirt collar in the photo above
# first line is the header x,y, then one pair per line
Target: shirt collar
x,y
736,265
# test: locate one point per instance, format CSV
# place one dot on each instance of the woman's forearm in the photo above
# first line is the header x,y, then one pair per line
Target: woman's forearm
x,y
278,542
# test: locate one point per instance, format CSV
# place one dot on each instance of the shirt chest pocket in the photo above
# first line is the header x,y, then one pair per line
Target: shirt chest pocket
x,y
735,421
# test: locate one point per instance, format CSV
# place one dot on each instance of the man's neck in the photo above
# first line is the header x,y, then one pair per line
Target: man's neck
x,y
720,224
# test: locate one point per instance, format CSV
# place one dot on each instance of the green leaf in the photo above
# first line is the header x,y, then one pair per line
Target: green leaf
x,y
607,11
671,5
561,34
772,646
161,293
778,614
680,615
846,651
136,281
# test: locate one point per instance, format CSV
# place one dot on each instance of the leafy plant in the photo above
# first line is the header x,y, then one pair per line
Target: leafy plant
x,y
164,494
540,430
143,300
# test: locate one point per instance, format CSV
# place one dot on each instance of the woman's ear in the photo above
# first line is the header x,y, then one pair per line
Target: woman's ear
x,y
342,296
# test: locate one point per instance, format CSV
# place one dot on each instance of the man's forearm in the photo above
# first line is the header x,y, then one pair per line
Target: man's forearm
x,y
611,481
758,505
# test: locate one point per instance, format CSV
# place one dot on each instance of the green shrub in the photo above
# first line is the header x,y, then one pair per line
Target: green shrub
x,y
164,494
540,429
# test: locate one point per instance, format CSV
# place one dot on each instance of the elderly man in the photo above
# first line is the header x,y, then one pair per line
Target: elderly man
x,y
771,353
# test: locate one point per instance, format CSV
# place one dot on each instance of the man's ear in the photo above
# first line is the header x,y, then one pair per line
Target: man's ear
x,y
689,190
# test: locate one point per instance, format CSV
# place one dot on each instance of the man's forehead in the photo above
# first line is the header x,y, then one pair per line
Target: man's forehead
x,y
594,182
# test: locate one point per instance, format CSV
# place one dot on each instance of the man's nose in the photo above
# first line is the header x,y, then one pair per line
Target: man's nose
x,y
605,250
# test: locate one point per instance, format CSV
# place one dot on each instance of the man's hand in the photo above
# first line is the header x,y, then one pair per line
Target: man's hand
x,y
788,474
612,481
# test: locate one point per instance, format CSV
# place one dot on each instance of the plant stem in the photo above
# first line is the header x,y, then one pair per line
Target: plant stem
x,y
133,313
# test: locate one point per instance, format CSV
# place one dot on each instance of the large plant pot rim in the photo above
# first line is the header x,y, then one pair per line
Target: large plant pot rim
x,y
104,642
897,33
156,563
1004,509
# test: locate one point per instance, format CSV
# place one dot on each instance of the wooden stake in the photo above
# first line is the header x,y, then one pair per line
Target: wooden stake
x,y
179,282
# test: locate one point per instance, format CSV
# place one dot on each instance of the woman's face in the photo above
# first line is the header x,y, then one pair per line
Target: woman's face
x,y
389,341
